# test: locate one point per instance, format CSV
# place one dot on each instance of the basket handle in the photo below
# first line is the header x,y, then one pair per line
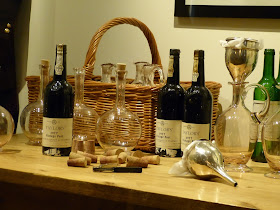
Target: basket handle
x,y
91,53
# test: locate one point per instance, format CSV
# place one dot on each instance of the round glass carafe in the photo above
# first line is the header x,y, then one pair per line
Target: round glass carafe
x,y
119,127
31,118
6,127
271,144
236,129
84,117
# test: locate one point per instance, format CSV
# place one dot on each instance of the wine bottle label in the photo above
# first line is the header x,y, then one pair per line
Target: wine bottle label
x,y
273,108
170,67
195,73
168,137
191,132
57,132
59,60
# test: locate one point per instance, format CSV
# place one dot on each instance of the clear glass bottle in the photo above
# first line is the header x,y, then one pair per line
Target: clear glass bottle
x,y
269,82
6,127
107,69
31,118
119,127
170,111
139,72
84,117
149,74
234,135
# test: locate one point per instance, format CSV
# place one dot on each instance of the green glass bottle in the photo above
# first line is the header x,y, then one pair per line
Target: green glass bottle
x,y
278,77
269,82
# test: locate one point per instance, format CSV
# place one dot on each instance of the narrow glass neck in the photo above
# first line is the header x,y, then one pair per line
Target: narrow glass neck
x,y
60,64
174,70
120,87
44,80
268,69
198,72
79,85
237,91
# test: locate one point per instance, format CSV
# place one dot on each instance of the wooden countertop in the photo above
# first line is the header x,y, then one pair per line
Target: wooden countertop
x,y
25,165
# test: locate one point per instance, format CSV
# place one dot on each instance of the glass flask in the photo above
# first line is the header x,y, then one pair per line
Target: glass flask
x,y
106,70
6,127
236,129
271,144
31,118
139,72
149,74
84,117
119,127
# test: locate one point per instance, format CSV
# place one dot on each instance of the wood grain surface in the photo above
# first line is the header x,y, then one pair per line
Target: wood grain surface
x,y
25,167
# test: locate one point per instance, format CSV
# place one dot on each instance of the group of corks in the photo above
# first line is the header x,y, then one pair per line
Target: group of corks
x,y
83,154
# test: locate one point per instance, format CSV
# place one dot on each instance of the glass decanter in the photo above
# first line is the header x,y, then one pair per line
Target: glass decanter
x,y
149,74
119,127
271,144
84,117
6,127
236,129
106,70
139,72
31,118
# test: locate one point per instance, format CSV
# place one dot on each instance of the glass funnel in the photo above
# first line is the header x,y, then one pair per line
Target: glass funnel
x,y
119,127
84,117
106,72
236,129
271,144
139,73
6,127
31,118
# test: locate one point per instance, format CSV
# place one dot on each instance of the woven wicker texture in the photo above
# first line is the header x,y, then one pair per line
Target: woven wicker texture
x,y
141,100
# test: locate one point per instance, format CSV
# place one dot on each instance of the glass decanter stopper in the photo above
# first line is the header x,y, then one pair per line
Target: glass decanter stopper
x,y
271,144
6,127
106,70
236,129
84,117
139,72
31,119
149,74
119,127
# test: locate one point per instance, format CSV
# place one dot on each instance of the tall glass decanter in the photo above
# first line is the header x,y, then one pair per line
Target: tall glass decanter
x,y
84,117
119,127
31,119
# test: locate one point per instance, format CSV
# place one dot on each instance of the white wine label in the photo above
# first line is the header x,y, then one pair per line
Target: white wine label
x,y
191,132
273,108
57,132
170,67
168,136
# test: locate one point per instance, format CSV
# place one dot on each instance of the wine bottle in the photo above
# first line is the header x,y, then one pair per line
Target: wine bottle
x,y
269,82
58,110
198,101
170,111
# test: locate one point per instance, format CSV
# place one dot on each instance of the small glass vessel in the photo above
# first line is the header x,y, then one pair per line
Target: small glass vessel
x,y
31,118
139,72
119,127
106,70
149,74
84,117
6,127
271,144
236,129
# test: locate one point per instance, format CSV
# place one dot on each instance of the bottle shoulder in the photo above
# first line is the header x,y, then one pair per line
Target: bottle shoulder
x,y
198,91
172,89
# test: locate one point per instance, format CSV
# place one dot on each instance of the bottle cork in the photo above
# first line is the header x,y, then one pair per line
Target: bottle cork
x,y
74,146
91,156
76,155
137,153
80,145
152,159
45,62
136,162
78,162
109,159
111,152
89,146
121,66
122,157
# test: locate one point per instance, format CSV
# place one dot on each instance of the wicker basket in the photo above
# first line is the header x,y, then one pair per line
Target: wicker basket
x,y
140,100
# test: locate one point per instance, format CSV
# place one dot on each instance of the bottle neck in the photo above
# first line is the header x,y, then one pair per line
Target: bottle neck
x,y
79,85
174,70
198,78
60,64
120,88
44,79
237,91
268,69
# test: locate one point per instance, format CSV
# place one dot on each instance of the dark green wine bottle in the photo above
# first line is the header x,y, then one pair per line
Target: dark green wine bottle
x,y
269,82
